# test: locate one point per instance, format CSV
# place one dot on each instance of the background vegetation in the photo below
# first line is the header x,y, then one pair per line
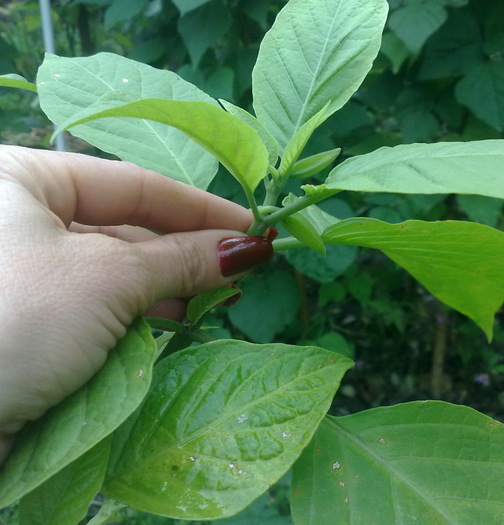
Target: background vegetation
x,y
439,77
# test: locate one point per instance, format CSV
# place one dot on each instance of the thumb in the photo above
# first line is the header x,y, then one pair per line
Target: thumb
x,y
184,264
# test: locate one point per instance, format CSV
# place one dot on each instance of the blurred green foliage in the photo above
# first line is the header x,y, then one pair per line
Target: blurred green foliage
x,y
439,77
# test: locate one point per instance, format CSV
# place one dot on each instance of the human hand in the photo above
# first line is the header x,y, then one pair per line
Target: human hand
x,y
78,264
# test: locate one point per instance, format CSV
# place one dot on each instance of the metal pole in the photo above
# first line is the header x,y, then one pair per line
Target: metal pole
x,y
49,46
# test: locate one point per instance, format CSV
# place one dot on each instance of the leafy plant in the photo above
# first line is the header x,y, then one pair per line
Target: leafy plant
x,y
222,421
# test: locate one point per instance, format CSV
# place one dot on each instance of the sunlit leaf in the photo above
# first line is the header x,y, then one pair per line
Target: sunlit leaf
x,y
314,164
446,167
420,462
458,262
17,81
234,143
69,86
65,497
315,52
83,419
301,228
299,140
222,423
268,140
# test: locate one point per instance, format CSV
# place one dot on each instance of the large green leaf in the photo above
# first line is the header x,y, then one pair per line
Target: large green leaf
x,y
421,462
270,143
315,52
222,423
17,81
83,419
65,497
446,167
69,86
234,143
459,262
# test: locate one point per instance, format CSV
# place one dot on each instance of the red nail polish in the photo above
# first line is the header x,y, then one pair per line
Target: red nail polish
x,y
231,301
272,233
240,254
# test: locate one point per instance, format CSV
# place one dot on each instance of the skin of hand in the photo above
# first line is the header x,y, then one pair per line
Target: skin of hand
x,y
79,262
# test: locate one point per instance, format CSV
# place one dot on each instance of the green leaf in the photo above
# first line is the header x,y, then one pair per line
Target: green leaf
x,y
482,91
65,497
314,164
395,50
202,303
234,143
481,209
184,6
222,423
321,191
70,86
202,28
455,49
83,419
458,262
299,140
257,10
445,167
336,342
120,11
107,513
414,23
266,510
320,219
302,229
323,268
268,140
421,462
315,52
269,303
17,81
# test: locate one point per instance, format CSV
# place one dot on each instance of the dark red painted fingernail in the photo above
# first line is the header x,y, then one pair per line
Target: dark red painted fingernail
x,y
240,254
272,234
234,298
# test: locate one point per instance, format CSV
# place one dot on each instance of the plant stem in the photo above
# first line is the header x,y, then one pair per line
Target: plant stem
x,y
287,243
258,227
300,204
195,335
253,205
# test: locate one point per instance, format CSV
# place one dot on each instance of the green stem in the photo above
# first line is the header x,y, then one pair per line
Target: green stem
x,y
259,227
253,204
300,204
287,243
168,325
195,335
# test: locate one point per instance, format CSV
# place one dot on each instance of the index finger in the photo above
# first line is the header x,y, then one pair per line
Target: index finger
x,y
100,192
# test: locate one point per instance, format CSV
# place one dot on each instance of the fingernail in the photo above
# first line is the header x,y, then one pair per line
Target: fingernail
x,y
234,298
272,233
240,254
